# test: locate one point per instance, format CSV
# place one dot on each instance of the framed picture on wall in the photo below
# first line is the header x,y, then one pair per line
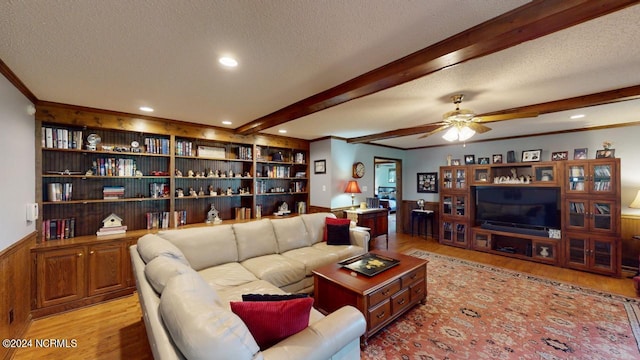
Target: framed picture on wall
x,y
392,176
428,182
320,167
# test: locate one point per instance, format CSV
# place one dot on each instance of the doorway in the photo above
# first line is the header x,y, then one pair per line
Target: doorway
x,y
387,175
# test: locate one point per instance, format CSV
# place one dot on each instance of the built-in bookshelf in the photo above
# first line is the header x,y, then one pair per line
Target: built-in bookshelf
x,y
157,179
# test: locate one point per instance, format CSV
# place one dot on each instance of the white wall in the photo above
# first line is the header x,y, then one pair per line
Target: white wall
x,y
625,142
17,161
340,157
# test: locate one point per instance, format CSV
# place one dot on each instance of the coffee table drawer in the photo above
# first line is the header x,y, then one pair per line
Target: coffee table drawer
x,y
413,277
400,300
379,314
384,292
418,290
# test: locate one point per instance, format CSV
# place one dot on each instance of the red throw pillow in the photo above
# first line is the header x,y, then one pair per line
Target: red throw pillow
x,y
333,221
272,321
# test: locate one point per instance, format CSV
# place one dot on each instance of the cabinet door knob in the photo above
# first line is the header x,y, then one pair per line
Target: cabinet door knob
x,y
91,252
79,254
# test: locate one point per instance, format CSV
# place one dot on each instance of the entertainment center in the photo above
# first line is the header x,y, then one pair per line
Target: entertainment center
x,y
562,213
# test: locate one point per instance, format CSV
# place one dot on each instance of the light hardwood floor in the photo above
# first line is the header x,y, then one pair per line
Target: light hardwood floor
x,y
114,330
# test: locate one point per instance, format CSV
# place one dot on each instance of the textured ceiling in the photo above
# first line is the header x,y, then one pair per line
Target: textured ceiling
x,y
118,55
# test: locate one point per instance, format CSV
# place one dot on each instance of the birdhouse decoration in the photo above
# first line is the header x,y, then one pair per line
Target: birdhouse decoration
x,y
112,225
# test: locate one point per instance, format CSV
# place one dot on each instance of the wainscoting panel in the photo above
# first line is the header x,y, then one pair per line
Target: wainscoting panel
x,y
15,291
630,246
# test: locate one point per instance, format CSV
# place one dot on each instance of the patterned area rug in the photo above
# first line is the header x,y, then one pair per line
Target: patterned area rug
x,y
475,311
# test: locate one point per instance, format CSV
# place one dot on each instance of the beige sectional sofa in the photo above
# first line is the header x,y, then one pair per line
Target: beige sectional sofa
x,y
186,278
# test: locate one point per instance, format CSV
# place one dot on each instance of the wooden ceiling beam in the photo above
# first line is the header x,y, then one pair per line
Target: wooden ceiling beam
x,y
530,21
578,102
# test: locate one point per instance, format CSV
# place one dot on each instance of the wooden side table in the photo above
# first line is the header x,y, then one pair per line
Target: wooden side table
x,y
375,219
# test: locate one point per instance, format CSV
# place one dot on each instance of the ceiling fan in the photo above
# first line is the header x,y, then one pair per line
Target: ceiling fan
x,y
463,123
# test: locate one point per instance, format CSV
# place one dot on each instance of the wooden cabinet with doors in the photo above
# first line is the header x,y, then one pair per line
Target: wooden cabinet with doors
x,y
454,206
78,272
591,216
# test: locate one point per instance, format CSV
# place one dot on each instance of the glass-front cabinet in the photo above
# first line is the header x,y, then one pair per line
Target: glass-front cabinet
x,y
591,177
454,205
482,175
591,253
454,233
453,178
591,215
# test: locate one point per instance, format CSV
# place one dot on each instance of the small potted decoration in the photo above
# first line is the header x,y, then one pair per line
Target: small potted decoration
x,y
607,151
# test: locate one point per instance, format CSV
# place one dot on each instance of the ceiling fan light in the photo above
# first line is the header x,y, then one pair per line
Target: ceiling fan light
x,y
465,133
451,134
459,115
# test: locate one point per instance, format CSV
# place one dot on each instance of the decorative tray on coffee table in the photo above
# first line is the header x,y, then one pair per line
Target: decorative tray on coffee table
x,y
369,264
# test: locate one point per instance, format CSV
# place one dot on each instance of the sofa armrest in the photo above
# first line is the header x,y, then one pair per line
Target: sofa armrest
x,y
322,339
360,237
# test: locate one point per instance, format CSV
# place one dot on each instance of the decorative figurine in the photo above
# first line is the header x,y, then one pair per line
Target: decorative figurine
x,y
211,192
210,173
192,192
179,192
212,216
178,173
283,209
201,192
229,191
230,173
190,173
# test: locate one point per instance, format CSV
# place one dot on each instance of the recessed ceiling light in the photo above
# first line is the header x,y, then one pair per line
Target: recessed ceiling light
x,y
227,122
577,116
228,61
146,108
282,131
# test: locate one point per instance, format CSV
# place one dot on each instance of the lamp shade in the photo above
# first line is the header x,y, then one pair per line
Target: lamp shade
x,y
352,187
635,204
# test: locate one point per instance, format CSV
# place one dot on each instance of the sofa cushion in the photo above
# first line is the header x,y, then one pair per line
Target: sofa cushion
x,y
255,238
227,275
276,269
315,225
290,233
272,321
338,234
199,326
333,221
205,246
159,270
151,246
311,258
341,251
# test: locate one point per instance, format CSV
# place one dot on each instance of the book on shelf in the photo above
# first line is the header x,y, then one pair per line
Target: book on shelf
x,y
56,138
107,231
243,213
113,192
158,220
54,229
59,191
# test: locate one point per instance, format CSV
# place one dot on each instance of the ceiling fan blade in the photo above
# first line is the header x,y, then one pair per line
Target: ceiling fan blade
x,y
478,128
501,117
443,127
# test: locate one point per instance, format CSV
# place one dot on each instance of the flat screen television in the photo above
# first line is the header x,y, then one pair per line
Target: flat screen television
x,y
530,207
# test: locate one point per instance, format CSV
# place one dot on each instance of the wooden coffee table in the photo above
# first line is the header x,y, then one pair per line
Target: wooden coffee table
x,y
381,298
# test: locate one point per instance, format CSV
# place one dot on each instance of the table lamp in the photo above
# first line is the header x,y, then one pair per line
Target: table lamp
x,y
635,204
353,188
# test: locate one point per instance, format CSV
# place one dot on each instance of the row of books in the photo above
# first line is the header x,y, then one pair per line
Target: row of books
x,y
157,146
160,220
276,171
243,213
113,192
244,153
59,191
53,138
184,148
115,167
53,229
